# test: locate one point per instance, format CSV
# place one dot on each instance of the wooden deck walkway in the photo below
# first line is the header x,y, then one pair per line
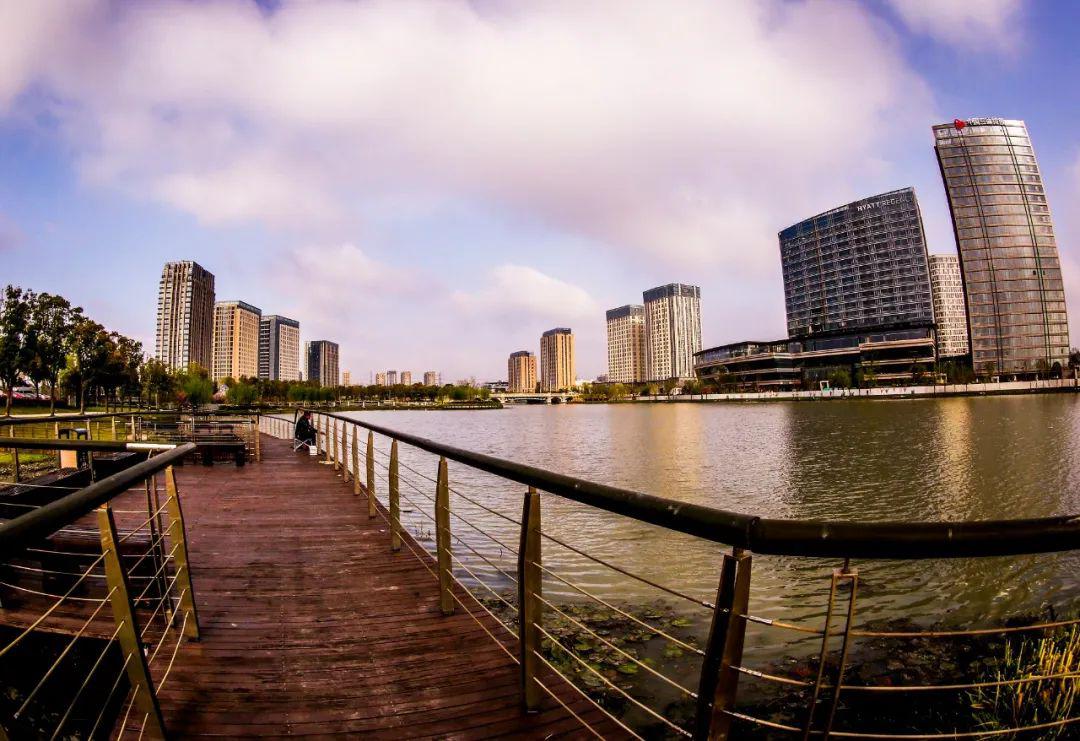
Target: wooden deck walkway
x,y
312,627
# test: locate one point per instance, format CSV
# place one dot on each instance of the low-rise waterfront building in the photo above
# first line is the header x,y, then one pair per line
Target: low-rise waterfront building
x,y
557,372
950,313
521,372
236,340
626,344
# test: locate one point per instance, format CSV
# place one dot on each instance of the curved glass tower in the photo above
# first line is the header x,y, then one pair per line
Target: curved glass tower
x,y
1005,237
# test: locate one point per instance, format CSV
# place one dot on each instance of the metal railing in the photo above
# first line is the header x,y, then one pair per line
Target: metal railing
x,y
499,574
96,598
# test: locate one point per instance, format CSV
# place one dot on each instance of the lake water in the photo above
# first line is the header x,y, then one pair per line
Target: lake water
x,y
936,459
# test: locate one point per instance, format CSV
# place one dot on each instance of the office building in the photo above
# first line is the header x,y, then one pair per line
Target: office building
x,y
431,378
322,362
557,371
1005,238
626,344
279,348
391,378
380,379
521,372
406,378
950,314
859,266
346,378
236,340
672,331
185,316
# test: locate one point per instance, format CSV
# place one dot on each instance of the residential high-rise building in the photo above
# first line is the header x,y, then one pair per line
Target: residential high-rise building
x,y
279,348
380,379
557,370
950,314
1005,238
236,340
857,266
406,378
322,362
672,331
185,315
431,378
391,378
521,372
346,378
626,344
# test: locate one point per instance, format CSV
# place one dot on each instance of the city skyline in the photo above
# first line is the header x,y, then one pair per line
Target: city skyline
x,y
91,168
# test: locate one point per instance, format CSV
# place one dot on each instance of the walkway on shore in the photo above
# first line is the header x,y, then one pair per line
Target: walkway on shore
x,y
312,627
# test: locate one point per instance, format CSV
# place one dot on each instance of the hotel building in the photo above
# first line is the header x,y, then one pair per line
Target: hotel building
x,y
521,372
858,299
557,370
950,314
185,316
626,344
672,331
322,362
236,340
1005,238
279,348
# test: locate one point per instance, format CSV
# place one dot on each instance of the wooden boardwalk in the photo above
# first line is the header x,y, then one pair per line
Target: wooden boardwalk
x,y
312,627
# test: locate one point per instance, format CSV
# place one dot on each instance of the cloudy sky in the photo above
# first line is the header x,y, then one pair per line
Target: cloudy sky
x,y
432,184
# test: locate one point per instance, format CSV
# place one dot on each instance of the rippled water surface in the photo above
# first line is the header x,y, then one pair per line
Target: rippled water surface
x,y
944,459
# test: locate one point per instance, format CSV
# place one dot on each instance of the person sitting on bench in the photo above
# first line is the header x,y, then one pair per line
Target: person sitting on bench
x,y
305,431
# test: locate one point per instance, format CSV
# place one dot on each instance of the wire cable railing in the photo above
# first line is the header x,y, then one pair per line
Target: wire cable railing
x,y
553,669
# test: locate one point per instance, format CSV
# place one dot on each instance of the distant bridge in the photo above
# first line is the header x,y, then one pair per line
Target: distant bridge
x,y
539,397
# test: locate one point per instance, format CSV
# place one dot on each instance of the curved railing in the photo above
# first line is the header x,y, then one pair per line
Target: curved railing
x,y
547,639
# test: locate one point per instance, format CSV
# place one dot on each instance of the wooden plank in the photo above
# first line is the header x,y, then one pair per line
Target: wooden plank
x,y
311,626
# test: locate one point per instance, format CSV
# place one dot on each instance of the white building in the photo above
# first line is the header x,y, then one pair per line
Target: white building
x,y
279,348
672,331
950,309
626,344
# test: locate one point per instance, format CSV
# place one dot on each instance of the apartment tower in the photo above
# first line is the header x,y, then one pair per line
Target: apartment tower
x,y
626,344
380,378
185,315
322,362
406,378
391,378
431,378
279,348
236,340
672,331
1008,253
346,378
950,313
521,372
557,359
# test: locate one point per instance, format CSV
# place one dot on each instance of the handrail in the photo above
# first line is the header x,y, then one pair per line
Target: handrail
x,y
40,523
812,538
39,443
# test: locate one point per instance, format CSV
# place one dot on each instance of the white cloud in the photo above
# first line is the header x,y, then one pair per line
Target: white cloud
x,y
518,292
981,25
682,132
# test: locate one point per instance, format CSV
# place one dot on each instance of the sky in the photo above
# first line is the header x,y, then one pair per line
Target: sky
x,y
432,184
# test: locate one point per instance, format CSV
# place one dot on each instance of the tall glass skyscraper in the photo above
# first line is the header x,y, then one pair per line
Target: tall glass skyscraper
x,y
858,266
1008,254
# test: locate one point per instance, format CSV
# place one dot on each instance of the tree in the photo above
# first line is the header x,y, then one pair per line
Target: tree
x,y
194,386
1074,360
15,349
157,381
840,378
51,323
242,394
91,349
1042,368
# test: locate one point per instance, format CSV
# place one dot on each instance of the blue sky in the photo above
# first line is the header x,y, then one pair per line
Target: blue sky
x,y
433,184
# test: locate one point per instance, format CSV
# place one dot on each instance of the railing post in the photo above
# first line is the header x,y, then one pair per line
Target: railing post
x,y
258,438
132,426
344,448
333,445
356,461
178,537
371,475
394,496
326,437
530,608
442,539
719,680
138,672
